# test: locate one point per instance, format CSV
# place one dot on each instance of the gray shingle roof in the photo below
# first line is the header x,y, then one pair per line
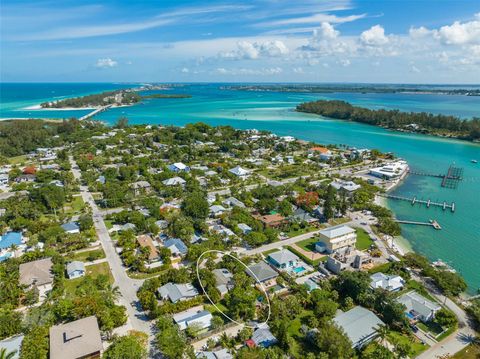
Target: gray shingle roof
x,y
283,256
176,292
262,271
38,272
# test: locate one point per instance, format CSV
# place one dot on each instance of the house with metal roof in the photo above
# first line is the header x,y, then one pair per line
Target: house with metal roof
x,y
174,181
240,172
233,202
283,259
391,283
418,307
216,210
338,237
78,339
176,246
202,318
217,354
262,337
178,167
141,187
75,269
359,324
177,292
71,228
263,272
245,228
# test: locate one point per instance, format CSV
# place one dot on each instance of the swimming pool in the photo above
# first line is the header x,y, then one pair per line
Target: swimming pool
x,y
299,269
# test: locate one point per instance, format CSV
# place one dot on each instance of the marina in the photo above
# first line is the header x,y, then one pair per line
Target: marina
x,y
449,180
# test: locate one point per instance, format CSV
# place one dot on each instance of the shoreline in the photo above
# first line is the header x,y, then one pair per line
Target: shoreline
x,y
398,244
40,108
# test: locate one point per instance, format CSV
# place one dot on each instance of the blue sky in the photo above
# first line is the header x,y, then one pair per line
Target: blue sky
x,y
423,41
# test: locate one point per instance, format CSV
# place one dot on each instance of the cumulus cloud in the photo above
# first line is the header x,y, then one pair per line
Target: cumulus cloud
x,y
255,50
106,63
460,33
375,36
185,70
326,31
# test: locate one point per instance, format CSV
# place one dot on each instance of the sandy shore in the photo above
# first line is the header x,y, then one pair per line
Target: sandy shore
x,y
39,107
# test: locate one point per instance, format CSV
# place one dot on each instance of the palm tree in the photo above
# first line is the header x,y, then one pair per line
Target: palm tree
x,y
5,355
382,332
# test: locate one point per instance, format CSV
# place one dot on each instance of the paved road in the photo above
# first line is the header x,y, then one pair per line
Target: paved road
x,y
285,242
457,340
128,286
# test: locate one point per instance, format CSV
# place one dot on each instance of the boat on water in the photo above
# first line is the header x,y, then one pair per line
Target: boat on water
x,y
442,265
474,161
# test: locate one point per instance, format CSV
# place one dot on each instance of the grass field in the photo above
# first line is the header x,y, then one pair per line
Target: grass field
x,y
308,244
82,256
92,271
363,239
75,206
415,344
469,352
17,159
294,233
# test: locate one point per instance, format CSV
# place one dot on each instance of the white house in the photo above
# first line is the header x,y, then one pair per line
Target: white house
x,y
336,238
178,167
240,172
217,210
419,307
391,283
202,318
75,269
174,181
3,179
347,186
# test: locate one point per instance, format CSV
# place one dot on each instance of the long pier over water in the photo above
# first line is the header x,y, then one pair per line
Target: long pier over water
x,y
449,180
444,205
94,112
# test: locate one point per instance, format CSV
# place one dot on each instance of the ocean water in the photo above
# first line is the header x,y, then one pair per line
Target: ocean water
x,y
458,243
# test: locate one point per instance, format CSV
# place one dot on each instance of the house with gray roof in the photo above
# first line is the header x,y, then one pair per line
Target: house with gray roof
x,y
359,324
300,215
71,228
391,283
233,202
184,319
245,228
217,354
262,337
177,292
78,339
75,269
174,181
224,280
283,259
263,272
338,237
37,274
418,307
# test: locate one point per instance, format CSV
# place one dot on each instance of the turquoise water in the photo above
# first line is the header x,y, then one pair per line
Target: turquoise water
x,y
458,243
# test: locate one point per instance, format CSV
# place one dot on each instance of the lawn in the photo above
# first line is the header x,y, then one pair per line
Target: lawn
x,y
416,345
308,244
294,233
363,239
432,327
337,221
92,271
296,324
469,352
82,256
75,206
17,159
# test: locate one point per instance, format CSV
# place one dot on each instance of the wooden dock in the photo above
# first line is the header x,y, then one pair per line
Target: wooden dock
x,y
444,205
432,223
449,180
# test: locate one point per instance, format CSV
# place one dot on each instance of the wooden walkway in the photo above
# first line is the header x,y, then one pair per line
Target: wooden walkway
x,y
444,205
432,223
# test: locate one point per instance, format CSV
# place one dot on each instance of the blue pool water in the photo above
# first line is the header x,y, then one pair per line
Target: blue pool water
x,y
299,269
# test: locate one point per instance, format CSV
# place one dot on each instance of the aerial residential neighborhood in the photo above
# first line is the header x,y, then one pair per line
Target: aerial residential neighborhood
x,y
299,252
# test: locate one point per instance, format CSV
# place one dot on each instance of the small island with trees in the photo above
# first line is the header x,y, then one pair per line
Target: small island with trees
x,y
419,122
115,98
